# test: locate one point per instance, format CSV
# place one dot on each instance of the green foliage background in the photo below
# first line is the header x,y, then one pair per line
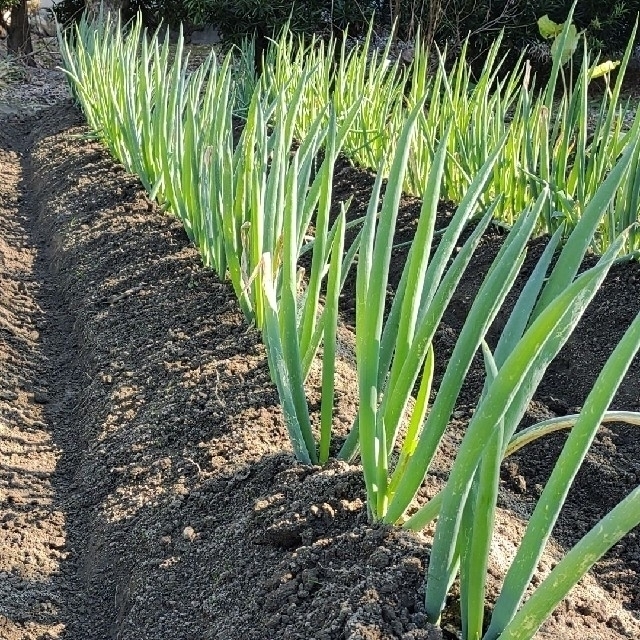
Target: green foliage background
x,y
608,24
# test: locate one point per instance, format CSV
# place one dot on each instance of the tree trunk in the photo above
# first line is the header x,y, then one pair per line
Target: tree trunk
x,y
18,37
261,44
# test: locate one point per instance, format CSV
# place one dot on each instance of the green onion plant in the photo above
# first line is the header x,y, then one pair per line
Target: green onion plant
x,y
344,76
546,313
569,147
556,140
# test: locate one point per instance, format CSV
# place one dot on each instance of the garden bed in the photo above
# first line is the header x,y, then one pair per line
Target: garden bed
x,y
179,510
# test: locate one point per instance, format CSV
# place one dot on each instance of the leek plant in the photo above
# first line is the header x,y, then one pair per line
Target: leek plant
x,y
392,356
287,61
293,326
158,120
478,110
570,152
546,313
248,209
272,198
345,78
367,78
553,142
95,58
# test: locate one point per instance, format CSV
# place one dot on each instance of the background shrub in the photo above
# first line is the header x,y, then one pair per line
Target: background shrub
x,y
608,25
239,18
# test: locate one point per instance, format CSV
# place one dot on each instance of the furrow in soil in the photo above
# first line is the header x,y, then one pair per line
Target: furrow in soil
x,y
39,386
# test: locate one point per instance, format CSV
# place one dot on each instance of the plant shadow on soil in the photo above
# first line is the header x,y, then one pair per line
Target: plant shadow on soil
x,y
185,514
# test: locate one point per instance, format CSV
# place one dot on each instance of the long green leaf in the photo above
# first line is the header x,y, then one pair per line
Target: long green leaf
x,y
555,492
524,366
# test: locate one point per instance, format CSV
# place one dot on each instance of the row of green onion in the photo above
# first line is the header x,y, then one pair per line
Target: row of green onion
x,y
555,137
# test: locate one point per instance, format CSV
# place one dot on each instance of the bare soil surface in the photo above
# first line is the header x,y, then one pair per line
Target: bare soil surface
x,y
147,488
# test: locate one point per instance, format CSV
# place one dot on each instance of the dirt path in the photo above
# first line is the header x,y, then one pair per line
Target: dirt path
x,y
147,489
39,589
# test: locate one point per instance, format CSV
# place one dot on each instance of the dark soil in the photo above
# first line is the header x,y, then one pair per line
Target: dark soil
x,y
146,482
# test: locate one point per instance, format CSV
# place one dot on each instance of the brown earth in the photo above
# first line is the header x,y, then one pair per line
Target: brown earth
x,y
147,489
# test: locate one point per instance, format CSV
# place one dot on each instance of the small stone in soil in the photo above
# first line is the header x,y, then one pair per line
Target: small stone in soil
x,y
189,534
